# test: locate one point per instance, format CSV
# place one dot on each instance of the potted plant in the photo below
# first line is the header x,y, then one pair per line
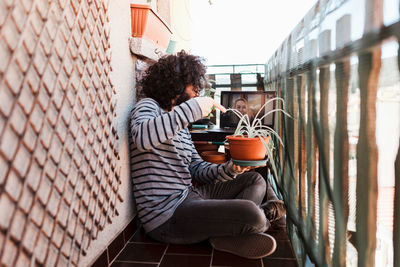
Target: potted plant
x,y
213,156
251,141
147,24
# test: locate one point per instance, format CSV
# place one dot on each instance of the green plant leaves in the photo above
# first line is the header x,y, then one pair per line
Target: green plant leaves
x,y
257,129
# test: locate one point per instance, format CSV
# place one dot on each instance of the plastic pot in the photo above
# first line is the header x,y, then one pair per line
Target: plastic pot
x,y
146,23
213,156
244,148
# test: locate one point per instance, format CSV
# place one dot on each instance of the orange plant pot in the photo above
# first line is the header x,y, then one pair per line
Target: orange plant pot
x,y
243,148
149,25
213,156
205,147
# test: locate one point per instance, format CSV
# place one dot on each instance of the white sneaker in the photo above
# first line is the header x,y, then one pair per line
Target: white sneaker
x,y
250,246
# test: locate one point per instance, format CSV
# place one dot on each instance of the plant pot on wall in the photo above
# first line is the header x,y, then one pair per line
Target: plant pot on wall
x,y
147,24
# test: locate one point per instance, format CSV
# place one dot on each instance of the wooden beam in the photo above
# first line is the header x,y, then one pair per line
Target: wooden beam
x,y
369,65
323,241
367,158
302,154
311,158
341,163
341,146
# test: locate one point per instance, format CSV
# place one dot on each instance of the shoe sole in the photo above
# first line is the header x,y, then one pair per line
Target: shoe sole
x,y
246,246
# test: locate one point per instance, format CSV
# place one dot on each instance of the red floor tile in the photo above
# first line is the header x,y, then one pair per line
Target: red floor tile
x,y
115,247
227,259
203,248
142,251
130,230
279,262
150,253
185,261
132,264
102,261
141,237
283,250
278,234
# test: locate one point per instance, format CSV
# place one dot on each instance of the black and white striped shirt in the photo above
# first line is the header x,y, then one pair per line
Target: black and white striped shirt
x,y
164,160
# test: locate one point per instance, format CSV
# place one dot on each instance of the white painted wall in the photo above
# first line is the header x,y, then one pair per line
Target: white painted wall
x,y
123,79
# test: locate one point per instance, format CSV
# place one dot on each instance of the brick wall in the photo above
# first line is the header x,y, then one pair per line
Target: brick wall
x,y
59,171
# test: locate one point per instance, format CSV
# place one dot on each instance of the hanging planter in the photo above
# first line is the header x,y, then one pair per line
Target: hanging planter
x,y
149,25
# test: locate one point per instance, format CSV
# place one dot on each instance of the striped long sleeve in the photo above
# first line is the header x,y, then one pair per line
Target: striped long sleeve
x,y
153,126
164,160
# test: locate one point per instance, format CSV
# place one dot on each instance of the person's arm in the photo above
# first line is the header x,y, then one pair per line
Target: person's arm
x,y
205,172
150,128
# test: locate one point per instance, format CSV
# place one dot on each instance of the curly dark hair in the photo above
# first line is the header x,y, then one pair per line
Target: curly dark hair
x,y
168,77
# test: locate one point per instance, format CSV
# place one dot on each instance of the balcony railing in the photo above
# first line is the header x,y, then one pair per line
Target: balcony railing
x,y
237,77
339,168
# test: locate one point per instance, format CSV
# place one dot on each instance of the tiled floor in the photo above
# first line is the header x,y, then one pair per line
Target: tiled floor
x,y
143,251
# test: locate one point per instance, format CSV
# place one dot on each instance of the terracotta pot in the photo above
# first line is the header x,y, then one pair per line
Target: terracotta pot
x,y
149,25
213,156
227,152
205,147
243,148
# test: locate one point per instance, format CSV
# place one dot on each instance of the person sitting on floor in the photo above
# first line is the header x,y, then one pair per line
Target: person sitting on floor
x,y
226,209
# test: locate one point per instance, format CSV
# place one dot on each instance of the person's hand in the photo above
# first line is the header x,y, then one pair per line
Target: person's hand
x,y
241,169
207,103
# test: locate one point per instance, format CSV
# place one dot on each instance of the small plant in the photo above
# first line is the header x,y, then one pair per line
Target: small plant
x,y
208,91
256,129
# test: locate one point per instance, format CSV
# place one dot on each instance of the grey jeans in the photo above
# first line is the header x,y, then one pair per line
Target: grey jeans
x,y
213,210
